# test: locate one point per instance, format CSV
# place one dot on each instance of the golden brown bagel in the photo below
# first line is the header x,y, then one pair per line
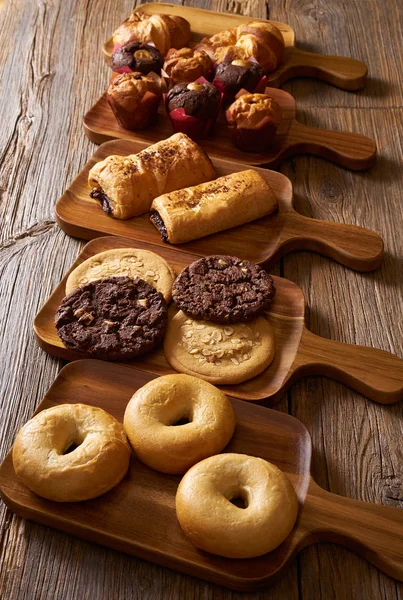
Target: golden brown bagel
x,y
214,524
99,462
154,410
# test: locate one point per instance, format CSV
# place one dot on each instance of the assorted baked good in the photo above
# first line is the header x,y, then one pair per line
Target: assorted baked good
x,y
213,522
125,186
71,452
233,76
253,119
258,39
124,262
193,107
113,319
223,289
219,354
137,57
186,65
164,31
134,99
207,208
174,421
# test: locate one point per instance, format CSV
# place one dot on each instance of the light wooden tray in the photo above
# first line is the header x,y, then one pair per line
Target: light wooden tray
x,y
345,73
350,150
138,516
263,241
374,373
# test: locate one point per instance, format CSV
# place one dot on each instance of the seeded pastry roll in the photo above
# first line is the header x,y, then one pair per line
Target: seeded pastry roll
x,y
226,202
125,186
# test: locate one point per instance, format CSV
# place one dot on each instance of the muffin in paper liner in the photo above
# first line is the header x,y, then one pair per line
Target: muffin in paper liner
x,y
196,127
136,57
253,120
233,76
134,99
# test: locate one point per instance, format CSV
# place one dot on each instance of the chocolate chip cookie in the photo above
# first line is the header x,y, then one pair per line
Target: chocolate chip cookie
x,y
223,289
113,319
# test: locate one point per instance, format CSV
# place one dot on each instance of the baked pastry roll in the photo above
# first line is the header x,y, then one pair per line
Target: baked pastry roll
x,y
164,31
125,186
259,39
226,202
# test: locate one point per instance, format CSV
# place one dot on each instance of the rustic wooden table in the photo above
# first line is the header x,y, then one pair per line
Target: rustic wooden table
x,y
51,72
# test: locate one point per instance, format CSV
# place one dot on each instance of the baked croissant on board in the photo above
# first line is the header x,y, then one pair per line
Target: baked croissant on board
x,y
126,185
164,31
258,39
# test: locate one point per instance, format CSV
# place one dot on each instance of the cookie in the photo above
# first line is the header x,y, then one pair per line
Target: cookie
x,y
113,319
122,262
220,354
223,289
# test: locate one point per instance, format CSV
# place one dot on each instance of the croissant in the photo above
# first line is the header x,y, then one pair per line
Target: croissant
x,y
165,31
259,39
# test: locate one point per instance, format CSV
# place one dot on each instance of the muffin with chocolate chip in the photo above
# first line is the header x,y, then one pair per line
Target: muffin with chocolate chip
x,y
137,57
186,65
232,76
193,107
253,120
134,99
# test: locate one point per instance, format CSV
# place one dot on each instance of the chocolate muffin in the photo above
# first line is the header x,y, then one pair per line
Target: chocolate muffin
x,y
139,57
231,77
193,107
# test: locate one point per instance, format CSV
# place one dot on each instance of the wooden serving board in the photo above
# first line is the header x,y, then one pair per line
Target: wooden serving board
x,y
374,373
345,73
350,150
273,236
138,516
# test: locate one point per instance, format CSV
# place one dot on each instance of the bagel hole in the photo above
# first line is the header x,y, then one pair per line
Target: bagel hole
x,y
240,500
181,421
71,448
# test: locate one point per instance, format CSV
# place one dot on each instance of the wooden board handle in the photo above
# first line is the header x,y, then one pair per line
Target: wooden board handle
x,y
371,530
350,150
346,73
376,374
355,247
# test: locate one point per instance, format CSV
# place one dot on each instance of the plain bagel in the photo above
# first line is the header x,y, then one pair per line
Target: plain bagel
x,y
43,461
214,524
153,416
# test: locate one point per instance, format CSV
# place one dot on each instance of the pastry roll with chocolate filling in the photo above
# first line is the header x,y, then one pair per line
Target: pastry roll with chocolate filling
x,y
125,186
204,209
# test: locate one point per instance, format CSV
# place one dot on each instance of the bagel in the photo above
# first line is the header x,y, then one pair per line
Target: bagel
x,y
214,524
98,463
156,408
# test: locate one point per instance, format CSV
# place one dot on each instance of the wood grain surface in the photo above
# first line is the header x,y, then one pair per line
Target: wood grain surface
x,y
348,149
357,450
282,231
375,373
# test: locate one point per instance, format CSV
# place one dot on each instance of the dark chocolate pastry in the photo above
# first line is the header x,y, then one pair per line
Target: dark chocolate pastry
x,y
137,57
113,319
237,75
200,100
223,289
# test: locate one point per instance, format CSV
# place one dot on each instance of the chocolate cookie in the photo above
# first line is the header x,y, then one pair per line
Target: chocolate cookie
x,y
223,289
113,319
